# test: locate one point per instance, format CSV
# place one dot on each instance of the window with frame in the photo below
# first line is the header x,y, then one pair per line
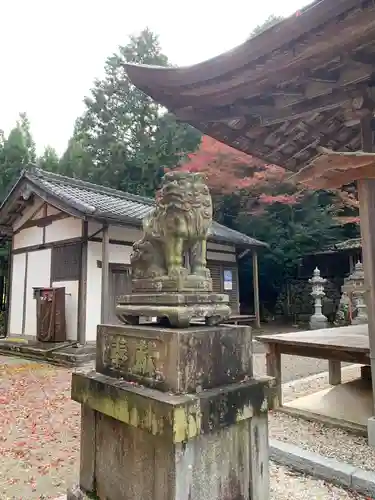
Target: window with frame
x,y
66,262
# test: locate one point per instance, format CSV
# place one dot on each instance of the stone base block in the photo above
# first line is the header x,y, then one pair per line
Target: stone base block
x,y
60,353
175,360
371,431
360,320
76,493
174,309
182,282
317,322
141,444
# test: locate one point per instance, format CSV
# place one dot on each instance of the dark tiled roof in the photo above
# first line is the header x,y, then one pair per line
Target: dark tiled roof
x,y
349,244
352,244
115,206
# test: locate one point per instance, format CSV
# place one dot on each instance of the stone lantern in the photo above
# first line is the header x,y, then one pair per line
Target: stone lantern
x,y
357,283
318,320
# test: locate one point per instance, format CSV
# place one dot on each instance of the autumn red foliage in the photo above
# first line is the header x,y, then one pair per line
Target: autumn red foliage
x,y
230,171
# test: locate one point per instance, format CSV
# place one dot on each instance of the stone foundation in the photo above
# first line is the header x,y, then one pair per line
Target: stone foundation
x,y
193,426
176,360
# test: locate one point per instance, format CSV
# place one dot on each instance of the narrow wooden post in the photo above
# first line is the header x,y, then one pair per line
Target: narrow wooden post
x,y
105,276
334,372
82,287
256,288
273,369
9,288
366,194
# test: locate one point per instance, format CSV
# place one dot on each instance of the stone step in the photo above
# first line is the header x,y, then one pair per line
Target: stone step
x,y
61,353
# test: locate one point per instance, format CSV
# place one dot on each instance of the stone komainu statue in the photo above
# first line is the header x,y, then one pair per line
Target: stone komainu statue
x,y
178,224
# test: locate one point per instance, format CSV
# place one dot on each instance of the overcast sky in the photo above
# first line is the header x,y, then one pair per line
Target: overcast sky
x,y
52,50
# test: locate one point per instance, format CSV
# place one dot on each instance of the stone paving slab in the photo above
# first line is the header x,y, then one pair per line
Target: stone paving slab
x,y
307,462
61,353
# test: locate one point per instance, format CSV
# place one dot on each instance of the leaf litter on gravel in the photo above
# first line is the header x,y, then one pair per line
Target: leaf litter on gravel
x,y
39,440
39,431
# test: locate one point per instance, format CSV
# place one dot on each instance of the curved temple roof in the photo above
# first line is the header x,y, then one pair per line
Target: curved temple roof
x,y
91,201
303,83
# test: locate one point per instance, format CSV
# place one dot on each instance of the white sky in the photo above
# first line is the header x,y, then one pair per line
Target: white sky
x,y
51,50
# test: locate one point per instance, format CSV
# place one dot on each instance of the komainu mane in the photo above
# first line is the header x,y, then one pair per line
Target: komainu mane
x,y
178,224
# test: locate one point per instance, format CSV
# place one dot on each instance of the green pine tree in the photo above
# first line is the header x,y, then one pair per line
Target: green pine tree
x,y
127,135
17,152
49,160
76,162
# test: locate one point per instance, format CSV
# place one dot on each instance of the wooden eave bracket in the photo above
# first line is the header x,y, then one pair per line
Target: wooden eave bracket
x,y
333,169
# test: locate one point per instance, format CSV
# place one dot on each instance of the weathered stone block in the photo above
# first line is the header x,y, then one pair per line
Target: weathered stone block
x,y
186,283
212,467
175,360
153,445
175,309
177,417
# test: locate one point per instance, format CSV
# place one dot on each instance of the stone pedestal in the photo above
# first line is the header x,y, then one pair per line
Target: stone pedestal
x,y
318,320
173,414
352,307
175,309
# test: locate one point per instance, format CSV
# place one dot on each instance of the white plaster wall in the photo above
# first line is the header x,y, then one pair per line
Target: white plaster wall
x,y
119,254
71,306
64,229
28,237
39,214
38,275
16,294
28,213
119,233
217,246
223,257
52,210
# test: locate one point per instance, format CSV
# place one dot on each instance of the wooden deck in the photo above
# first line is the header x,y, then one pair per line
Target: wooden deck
x,y
346,344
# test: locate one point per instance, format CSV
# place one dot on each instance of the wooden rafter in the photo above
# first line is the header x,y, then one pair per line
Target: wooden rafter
x,y
353,73
250,94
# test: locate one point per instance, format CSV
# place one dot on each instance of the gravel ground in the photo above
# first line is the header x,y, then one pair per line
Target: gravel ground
x,y
39,434
39,431
319,438
287,485
293,367
327,441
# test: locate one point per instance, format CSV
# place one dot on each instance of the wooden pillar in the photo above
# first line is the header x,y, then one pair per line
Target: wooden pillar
x,y
82,287
366,194
334,372
256,289
9,287
105,276
273,369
